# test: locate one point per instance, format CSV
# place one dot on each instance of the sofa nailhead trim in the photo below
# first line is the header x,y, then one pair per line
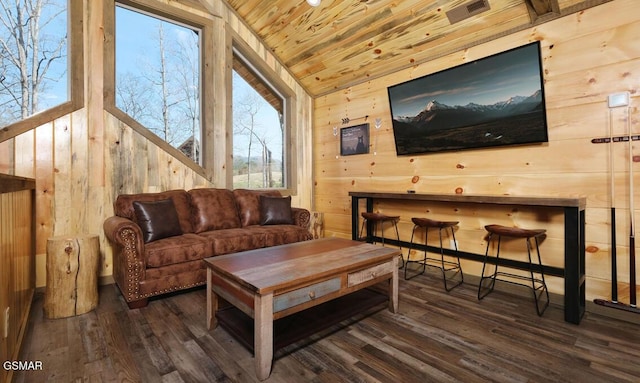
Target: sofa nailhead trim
x,y
128,238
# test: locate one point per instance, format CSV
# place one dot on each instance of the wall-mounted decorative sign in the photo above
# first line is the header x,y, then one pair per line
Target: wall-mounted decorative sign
x,y
354,140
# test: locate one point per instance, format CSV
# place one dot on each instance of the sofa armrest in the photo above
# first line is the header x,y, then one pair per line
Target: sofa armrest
x,y
129,263
301,217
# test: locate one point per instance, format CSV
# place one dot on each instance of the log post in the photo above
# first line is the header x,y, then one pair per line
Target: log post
x,y
316,226
72,275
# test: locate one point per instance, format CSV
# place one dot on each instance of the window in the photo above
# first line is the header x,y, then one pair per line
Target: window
x,y
158,77
259,155
33,57
168,83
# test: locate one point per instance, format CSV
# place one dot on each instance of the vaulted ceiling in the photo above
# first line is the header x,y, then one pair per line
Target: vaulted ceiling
x,y
345,42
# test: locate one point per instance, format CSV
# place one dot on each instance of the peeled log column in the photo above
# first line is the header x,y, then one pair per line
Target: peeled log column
x,y
72,276
316,224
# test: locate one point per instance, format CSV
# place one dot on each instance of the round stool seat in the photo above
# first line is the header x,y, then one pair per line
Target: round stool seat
x,y
515,232
426,222
379,217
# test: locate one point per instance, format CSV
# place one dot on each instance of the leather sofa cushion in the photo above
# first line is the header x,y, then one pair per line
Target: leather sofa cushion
x,y
248,202
213,209
177,270
254,237
157,219
234,240
172,250
275,210
275,235
123,206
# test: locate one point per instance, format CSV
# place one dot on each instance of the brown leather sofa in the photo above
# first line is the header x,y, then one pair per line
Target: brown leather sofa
x,y
160,239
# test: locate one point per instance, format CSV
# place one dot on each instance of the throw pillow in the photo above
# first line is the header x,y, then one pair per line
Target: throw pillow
x,y
157,219
275,210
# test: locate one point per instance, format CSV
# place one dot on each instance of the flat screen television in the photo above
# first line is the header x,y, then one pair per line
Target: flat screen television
x,y
494,101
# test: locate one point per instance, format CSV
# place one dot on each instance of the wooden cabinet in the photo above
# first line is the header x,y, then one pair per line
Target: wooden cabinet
x,y
17,264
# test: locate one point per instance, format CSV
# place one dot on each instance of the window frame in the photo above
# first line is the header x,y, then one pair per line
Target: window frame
x,y
218,38
257,76
75,78
268,75
179,16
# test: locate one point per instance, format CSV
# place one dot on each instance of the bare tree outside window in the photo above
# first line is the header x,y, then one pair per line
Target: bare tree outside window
x,y
258,136
157,77
33,57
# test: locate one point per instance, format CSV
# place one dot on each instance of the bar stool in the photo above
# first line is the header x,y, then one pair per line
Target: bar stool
x,y
379,219
538,285
446,266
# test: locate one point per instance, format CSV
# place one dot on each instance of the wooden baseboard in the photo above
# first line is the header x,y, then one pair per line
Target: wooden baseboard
x,y
106,280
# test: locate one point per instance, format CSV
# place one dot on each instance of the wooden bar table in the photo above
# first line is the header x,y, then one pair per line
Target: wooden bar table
x,y
574,238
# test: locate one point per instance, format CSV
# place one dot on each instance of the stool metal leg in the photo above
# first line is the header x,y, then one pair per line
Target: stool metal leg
x,y
542,285
374,230
395,225
453,266
493,276
364,222
446,267
424,259
372,233
537,285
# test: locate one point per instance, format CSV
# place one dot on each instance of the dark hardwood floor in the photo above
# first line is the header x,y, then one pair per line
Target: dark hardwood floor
x,y
436,337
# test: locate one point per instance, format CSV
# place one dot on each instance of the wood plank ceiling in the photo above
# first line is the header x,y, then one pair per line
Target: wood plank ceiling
x,y
342,43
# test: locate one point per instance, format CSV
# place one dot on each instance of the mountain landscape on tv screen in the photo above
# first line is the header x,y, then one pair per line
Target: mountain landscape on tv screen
x,y
520,119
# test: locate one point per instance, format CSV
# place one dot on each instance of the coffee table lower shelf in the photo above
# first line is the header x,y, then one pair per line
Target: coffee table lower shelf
x,y
305,323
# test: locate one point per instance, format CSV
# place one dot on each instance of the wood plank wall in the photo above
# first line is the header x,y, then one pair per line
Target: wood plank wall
x,y
17,263
586,56
82,161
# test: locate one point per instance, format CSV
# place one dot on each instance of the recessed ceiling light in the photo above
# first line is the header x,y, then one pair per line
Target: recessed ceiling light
x,y
313,3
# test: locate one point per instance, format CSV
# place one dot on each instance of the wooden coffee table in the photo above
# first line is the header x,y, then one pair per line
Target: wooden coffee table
x,y
274,282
